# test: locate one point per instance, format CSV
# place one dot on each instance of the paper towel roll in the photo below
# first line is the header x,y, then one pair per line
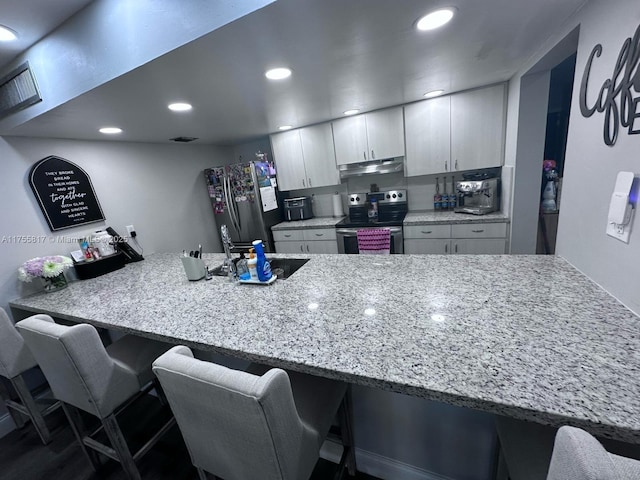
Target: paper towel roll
x,y
337,205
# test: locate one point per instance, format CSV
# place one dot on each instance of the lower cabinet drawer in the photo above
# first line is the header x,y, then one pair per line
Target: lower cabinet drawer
x,y
287,235
479,230
479,246
314,234
427,231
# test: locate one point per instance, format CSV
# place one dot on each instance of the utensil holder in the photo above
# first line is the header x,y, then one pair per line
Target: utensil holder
x,y
194,268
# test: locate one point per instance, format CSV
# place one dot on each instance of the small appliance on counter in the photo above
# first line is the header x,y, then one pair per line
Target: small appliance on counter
x,y
298,208
478,194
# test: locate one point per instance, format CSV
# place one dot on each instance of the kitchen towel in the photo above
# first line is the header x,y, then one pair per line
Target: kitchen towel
x,y
337,205
374,241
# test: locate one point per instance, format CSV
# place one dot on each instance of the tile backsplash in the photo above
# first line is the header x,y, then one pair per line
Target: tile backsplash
x,y
420,190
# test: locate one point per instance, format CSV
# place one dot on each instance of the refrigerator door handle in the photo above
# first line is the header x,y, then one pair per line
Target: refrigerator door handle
x,y
232,201
229,200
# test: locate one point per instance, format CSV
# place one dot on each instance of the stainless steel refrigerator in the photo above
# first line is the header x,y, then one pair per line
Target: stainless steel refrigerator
x,y
244,196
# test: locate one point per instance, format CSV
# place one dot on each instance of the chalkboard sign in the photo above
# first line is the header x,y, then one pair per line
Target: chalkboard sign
x,y
65,193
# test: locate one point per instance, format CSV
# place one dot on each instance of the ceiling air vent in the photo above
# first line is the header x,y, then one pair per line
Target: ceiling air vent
x,y
18,90
183,139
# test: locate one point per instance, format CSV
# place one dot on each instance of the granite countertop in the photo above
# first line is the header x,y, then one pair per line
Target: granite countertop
x,y
316,222
433,217
529,337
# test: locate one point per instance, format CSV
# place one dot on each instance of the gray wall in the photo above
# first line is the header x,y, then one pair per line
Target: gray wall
x,y
160,189
591,167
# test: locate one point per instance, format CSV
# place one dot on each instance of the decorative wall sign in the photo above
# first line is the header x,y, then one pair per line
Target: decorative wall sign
x,y
65,193
625,77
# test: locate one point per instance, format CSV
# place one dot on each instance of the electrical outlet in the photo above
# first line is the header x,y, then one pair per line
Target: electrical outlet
x,y
130,229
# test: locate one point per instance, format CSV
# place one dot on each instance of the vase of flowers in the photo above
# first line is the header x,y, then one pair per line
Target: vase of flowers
x,y
50,270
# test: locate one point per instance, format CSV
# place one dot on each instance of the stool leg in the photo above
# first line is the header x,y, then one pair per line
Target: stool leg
x,y
346,431
27,400
16,416
77,427
112,429
202,474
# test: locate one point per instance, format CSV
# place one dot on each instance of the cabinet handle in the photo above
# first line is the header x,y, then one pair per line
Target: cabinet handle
x,y
319,234
307,248
426,233
446,166
303,183
446,248
364,155
456,246
287,236
456,164
302,248
373,155
478,231
309,182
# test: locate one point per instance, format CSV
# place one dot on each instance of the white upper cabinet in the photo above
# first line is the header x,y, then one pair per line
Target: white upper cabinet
x,y
319,156
370,136
477,128
464,131
428,136
287,153
305,158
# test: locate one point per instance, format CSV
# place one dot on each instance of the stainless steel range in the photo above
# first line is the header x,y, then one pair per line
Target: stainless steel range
x,y
373,210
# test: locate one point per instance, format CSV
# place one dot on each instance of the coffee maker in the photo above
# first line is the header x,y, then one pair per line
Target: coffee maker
x,y
478,195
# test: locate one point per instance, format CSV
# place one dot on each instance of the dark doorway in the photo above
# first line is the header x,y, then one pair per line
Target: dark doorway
x,y
560,90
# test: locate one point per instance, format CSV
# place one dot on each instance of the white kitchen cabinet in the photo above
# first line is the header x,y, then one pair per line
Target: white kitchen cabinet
x,y
463,131
312,240
305,158
371,136
477,128
466,238
428,136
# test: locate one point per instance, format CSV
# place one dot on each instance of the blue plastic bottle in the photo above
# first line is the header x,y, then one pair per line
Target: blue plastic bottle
x,y
263,266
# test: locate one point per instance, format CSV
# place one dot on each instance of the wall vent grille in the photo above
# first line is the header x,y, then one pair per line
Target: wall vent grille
x,y
18,90
183,139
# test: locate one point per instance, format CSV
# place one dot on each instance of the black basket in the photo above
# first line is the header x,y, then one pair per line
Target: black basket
x,y
85,270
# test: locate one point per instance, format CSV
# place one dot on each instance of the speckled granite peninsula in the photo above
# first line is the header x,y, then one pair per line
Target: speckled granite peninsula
x,y
431,217
525,336
315,222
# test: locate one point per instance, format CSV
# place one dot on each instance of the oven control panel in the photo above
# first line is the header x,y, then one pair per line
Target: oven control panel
x,y
391,196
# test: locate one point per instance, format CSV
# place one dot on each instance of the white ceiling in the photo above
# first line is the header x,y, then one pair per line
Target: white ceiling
x,y
344,54
33,19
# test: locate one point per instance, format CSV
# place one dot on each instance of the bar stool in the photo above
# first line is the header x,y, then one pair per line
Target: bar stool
x,y
85,375
579,456
241,426
16,359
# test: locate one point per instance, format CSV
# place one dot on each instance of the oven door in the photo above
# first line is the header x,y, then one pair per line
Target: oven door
x,y
348,240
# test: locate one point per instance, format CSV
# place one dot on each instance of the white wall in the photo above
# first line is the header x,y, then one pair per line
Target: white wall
x,y
111,37
591,166
160,189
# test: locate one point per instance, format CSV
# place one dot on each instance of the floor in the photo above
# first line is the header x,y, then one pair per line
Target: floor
x,y
24,457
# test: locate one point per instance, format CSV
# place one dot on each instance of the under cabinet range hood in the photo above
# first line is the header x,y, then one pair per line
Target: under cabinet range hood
x,y
372,167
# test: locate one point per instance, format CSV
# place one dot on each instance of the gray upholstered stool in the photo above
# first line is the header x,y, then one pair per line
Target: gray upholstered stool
x,y
85,375
241,426
579,456
16,359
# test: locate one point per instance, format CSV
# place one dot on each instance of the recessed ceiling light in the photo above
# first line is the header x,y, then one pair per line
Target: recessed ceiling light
x,y
6,34
277,73
110,130
180,107
285,127
433,93
435,19
351,112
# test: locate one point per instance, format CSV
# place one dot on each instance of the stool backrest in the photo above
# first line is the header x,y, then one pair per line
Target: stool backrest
x,y
76,364
15,357
236,425
577,455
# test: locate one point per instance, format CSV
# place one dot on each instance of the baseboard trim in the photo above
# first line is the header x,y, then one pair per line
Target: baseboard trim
x,y
378,465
